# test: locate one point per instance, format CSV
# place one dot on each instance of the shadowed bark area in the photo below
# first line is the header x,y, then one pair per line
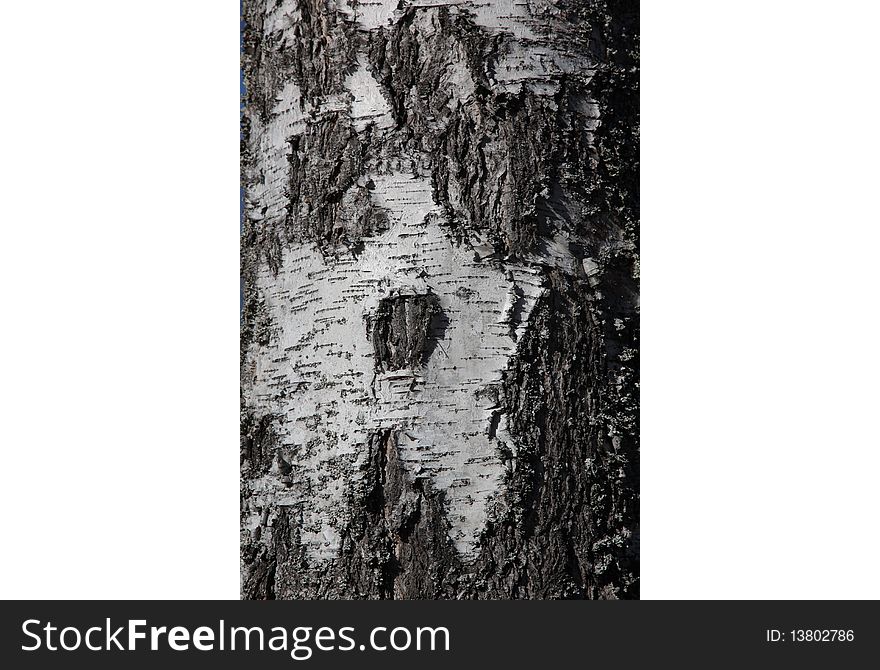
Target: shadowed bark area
x,y
440,326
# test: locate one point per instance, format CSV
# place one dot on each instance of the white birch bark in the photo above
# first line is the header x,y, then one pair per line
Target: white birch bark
x,y
439,340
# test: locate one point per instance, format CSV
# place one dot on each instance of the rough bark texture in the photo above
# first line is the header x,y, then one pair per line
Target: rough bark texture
x,y
440,325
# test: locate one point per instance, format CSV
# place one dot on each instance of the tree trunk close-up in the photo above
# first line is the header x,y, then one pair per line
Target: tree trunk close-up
x,y
439,345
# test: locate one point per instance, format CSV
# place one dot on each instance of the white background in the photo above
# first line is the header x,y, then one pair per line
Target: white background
x,y
119,262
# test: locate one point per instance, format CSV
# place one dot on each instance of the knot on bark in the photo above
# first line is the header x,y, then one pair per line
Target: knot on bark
x,y
404,329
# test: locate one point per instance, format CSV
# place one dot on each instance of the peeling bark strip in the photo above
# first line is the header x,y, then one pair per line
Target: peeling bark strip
x,y
440,329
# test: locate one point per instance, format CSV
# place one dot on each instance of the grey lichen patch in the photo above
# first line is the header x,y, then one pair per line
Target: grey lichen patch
x,y
401,330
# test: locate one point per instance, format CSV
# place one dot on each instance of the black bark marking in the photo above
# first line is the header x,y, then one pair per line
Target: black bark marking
x,y
404,329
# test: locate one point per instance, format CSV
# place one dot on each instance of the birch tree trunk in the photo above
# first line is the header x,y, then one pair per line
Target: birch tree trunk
x,y
439,355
